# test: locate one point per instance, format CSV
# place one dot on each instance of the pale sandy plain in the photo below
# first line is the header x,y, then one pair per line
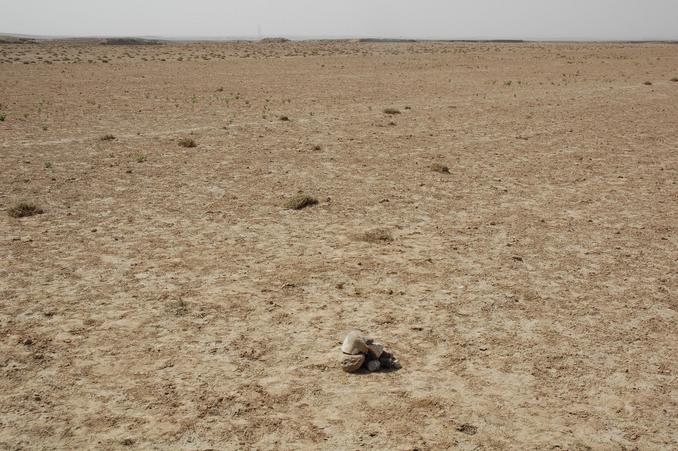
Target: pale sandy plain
x,y
166,300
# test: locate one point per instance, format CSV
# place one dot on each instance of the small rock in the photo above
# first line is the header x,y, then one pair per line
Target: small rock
x,y
352,363
376,349
359,351
385,362
373,365
354,344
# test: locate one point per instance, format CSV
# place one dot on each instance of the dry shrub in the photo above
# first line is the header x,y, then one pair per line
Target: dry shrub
x,y
437,167
300,201
377,236
107,137
24,209
187,142
178,307
391,111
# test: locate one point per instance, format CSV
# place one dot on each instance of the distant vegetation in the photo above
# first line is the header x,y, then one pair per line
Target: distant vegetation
x,y
274,40
130,41
16,40
386,40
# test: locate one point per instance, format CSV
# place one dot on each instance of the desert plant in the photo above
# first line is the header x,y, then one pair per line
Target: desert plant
x,y
376,236
24,209
391,111
187,142
178,308
437,167
3,116
48,165
107,137
300,201
141,158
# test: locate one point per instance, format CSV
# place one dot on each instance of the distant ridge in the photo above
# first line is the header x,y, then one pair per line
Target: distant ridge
x,y
15,38
385,40
9,39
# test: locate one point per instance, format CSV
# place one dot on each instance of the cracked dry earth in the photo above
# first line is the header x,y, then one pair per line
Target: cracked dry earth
x,y
165,299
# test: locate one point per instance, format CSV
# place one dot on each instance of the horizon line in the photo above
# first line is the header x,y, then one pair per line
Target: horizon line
x,y
302,38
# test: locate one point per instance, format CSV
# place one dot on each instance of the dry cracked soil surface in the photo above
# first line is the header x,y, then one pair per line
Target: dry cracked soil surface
x,y
166,298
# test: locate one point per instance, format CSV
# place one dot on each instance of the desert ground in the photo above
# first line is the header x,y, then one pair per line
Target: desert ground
x,y
167,299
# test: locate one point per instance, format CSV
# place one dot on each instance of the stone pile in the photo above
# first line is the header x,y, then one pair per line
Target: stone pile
x,y
362,352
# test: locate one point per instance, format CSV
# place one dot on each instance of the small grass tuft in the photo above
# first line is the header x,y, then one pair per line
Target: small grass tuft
x,y
376,236
3,116
107,137
300,201
391,111
141,158
48,164
178,308
437,167
187,142
24,209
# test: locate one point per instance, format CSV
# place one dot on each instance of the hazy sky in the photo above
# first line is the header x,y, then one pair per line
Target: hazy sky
x,y
526,19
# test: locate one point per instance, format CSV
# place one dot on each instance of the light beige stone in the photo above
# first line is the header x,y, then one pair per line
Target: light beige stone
x,y
354,343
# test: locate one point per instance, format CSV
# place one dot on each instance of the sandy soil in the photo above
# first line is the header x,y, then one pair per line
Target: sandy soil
x,y
166,300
